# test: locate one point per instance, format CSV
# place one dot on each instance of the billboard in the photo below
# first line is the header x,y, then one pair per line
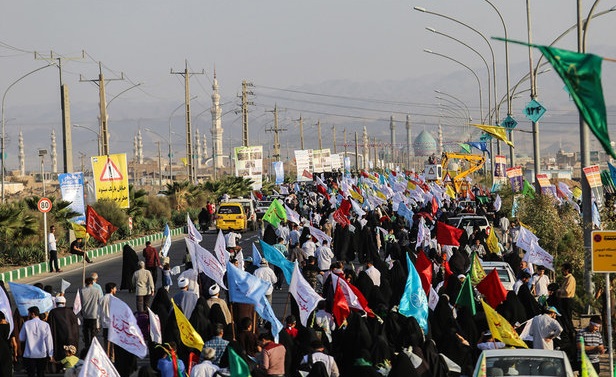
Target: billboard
x,y
71,187
249,164
111,178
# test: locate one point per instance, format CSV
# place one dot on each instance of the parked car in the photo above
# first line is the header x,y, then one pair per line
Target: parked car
x,y
468,222
249,210
262,206
523,362
231,216
504,271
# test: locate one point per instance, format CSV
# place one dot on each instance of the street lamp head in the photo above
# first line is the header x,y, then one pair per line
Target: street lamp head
x,y
428,51
42,152
431,29
421,9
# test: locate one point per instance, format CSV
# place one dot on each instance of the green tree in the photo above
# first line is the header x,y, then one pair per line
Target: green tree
x,y
180,194
233,186
17,227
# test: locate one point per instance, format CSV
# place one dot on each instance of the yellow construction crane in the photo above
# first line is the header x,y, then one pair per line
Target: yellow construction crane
x,y
475,163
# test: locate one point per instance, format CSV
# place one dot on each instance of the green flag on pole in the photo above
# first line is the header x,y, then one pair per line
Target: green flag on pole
x,y
237,366
466,296
528,190
581,74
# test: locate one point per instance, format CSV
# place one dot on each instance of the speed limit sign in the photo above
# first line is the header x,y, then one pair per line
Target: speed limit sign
x,y
44,205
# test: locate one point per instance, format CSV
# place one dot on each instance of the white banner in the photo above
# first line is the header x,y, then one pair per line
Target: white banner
x,y
220,249
96,363
123,329
156,333
303,162
249,164
71,187
206,262
305,296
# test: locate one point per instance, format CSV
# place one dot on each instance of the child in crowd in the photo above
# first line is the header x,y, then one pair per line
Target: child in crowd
x,y
166,276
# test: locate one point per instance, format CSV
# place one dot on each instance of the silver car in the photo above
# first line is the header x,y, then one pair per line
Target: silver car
x,y
523,362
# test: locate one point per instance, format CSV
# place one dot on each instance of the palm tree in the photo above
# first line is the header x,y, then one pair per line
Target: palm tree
x,y
138,200
233,186
180,193
16,225
60,210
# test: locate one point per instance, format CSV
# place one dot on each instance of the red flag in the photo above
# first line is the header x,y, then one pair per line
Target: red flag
x,y
364,174
340,307
342,213
258,194
447,270
434,205
307,174
323,191
492,287
469,194
423,265
97,226
393,172
447,234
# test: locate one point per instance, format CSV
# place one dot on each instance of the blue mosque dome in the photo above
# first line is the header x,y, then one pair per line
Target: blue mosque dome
x,y
424,144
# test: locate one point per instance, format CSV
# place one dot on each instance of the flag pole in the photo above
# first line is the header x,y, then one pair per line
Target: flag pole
x,y
286,305
83,259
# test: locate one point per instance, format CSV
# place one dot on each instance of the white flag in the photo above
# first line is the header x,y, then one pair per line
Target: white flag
x,y
156,333
176,270
256,256
77,306
497,203
204,261
319,235
433,298
307,299
360,212
539,256
5,307
123,329
64,286
96,363
220,249
292,216
240,259
526,239
193,233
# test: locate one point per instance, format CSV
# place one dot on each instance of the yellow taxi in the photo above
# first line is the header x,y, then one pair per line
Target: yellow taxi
x,y
231,216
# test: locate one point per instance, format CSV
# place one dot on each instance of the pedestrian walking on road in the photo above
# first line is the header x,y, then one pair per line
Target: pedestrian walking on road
x,y
38,343
90,299
130,264
53,250
144,287
152,261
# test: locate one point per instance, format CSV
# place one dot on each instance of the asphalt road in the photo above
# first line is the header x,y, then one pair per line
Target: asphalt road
x,y
109,269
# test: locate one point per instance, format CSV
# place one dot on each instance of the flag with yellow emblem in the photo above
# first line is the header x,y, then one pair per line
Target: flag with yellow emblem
x,y
492,242
476,271
189,336
500,328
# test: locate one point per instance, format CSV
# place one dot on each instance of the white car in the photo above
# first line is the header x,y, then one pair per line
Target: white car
x,y
468,223
523,362
504,271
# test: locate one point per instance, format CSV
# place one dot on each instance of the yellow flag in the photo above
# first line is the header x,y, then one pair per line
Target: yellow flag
x,y
189,336
410,185
492,242
184,160
80,231
496,131
449,192
381,195
577,192
355,195
501,329
477,272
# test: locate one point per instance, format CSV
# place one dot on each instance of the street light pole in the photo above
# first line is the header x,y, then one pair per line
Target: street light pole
x,y
98,136
3,136
470,69
533,96
42,153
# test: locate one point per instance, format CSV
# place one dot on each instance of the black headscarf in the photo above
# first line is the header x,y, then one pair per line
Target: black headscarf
x,y
130,262
512,309
531,306
401,366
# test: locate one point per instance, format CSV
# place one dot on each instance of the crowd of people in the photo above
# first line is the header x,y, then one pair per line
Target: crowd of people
x,y
368,250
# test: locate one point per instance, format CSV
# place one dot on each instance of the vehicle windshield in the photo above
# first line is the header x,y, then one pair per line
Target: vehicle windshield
x,y
229,210
472,222
264,204
525,366
502,274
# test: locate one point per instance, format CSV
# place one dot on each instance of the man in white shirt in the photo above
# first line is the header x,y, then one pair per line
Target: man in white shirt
x,y
231,241
38,343
540,281
324,256
265,273
544,328
206,368
318,355
373,273
309,248
294,237
53,250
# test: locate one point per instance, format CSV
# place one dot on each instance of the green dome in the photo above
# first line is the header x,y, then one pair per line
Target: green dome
x,y
424,144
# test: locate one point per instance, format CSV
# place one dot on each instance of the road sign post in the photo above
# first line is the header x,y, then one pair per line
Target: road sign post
x,y
44,205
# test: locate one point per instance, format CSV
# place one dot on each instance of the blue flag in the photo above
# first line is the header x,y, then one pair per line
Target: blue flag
x,y
414,302
405,212
244,287
612,172
481,145
164,250
275,257
27,296
256,256
264,309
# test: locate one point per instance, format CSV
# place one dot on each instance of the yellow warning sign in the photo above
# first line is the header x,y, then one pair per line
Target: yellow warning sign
x,y
111,178
604,251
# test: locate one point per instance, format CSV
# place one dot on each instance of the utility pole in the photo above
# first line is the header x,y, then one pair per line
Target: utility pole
x,y
276,130
344,138
301,133
160,167
102,101
245,104
189,145
356,152
67,140
319,133
334,138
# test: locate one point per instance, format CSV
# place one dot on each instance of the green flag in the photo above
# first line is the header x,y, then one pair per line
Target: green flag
x,y
465,147
466,297
528,190
581,74
237,366
275,213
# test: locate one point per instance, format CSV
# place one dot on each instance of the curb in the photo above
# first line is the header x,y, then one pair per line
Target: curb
x,y
39,268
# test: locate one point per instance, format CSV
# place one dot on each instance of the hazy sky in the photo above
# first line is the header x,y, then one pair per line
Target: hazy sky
x,y
273,43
